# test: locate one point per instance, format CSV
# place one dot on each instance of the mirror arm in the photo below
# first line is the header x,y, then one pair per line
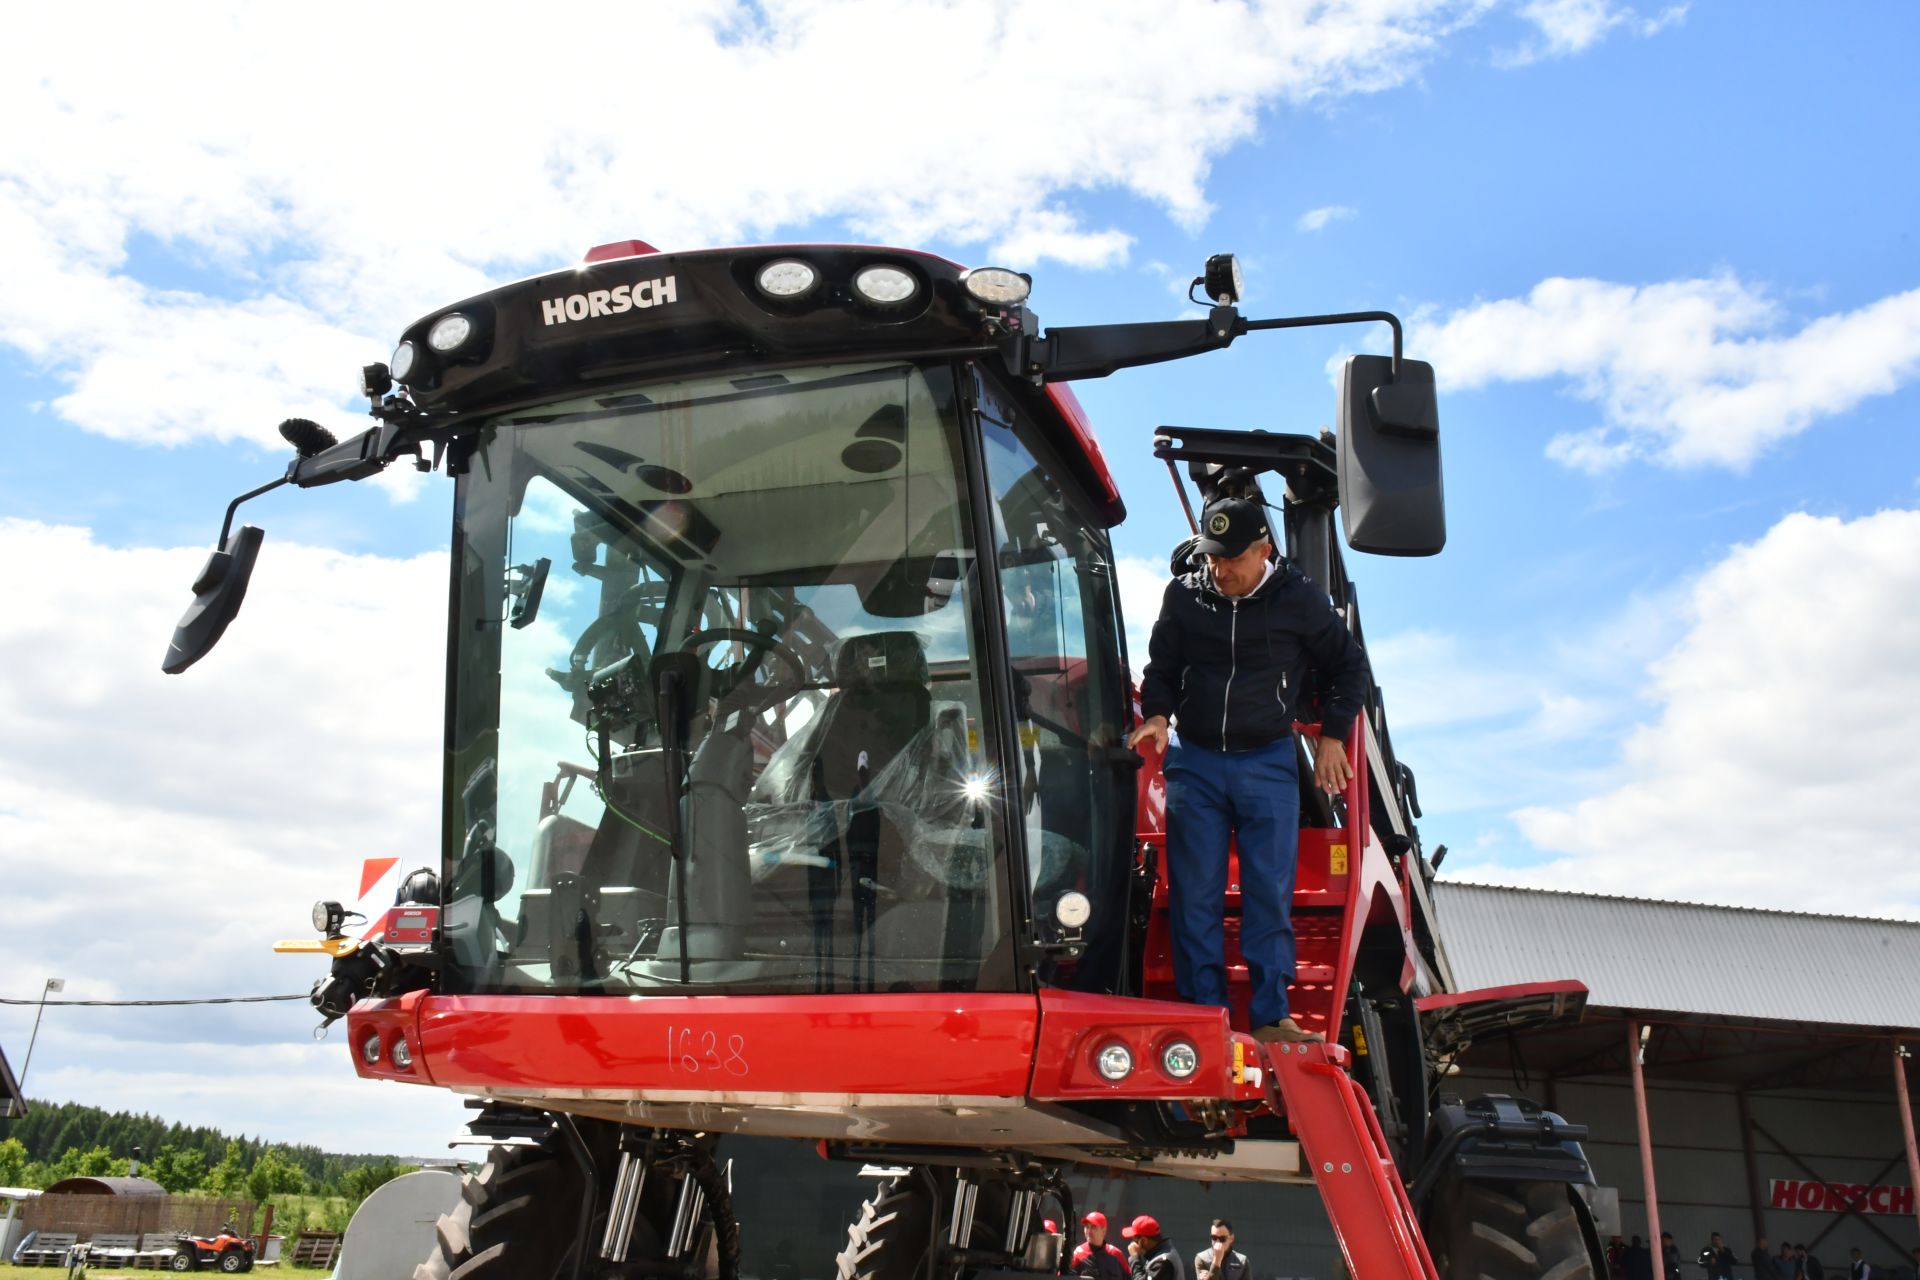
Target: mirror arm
x,y
1345,317
1096,350
226,526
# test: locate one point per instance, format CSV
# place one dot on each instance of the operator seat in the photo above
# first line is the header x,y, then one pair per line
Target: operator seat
x,y
883,702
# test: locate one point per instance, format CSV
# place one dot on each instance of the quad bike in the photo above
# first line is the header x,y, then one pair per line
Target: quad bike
x,y
226,1250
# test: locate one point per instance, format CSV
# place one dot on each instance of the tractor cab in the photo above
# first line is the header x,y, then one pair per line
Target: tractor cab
x,y
806,681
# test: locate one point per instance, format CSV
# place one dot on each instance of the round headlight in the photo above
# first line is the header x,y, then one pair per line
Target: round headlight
x,y
1072,909
370,1049
996,286
449,333
886,286
1115,1061
402,363
324,914
1180,1059
787,278
402,1056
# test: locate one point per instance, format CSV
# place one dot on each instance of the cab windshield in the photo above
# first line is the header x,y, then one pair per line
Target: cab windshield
x,y
717,699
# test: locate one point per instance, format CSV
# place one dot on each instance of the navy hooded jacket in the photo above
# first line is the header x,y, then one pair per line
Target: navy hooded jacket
x,y
1227,671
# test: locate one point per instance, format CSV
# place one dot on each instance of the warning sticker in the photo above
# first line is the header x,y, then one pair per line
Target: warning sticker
x,y
1337,860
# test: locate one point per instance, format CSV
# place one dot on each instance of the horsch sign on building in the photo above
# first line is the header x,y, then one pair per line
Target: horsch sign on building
x,y
1839,1197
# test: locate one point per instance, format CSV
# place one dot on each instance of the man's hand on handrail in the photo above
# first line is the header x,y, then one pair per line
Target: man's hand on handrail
x,y
1154,727
1331,772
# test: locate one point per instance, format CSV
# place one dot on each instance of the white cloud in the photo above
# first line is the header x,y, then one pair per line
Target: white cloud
x,y
1319,219
160,832
1688,372
1568,27
1780,769
310,222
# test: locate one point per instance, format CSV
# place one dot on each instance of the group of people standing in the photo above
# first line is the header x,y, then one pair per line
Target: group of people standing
x,y
1150,1255
1634,1261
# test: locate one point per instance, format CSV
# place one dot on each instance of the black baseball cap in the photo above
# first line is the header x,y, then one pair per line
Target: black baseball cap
x,y
1230,526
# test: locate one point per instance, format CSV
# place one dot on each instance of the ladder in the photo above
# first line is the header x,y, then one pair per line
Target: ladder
x,y
1341,1143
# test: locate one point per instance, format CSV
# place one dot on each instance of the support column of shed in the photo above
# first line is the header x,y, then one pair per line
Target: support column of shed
x,y
1635,1034
1906,1123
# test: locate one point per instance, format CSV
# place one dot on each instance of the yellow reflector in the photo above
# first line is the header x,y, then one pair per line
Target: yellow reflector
x,y
317,946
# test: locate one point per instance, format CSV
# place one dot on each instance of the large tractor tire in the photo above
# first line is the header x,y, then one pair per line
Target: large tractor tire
x,y
893,1238
519,1215
1510,1231
515,1221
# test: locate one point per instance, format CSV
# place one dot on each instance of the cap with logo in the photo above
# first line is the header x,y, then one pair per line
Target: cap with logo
x,y
1095,1219
1230,526
1142,1226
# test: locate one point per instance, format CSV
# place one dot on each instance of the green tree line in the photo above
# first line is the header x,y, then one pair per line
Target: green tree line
x,y
65,1140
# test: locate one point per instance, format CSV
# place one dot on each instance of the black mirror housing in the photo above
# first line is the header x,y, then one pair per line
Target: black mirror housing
x,y
217,595
1391,495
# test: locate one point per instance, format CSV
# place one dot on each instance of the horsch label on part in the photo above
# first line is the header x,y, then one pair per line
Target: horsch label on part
x,y
609,302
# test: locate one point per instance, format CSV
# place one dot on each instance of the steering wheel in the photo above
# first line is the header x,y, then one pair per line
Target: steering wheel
x,y
759,642
644,604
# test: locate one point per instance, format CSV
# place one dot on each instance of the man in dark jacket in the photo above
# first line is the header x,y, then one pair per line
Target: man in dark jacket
x,y
1767,1265
1094,1257
1152,1256
1220,1260
1225,663
1718,1259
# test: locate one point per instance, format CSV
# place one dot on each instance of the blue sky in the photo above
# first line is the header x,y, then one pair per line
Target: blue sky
x,y
1664,258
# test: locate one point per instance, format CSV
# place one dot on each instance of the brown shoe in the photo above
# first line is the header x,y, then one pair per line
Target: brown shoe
x,y
1287,1031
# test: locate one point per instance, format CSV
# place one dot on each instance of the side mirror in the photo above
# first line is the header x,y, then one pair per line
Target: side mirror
x,y
217,595
1389,466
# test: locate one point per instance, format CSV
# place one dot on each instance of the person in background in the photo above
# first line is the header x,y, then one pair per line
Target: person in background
x,y
1093,1257
1151,1255
1669,1257
1810,1268
1857,1266
1765,1265
1219,1261
1788,1264
1718,1259
1616,1259
1639,1261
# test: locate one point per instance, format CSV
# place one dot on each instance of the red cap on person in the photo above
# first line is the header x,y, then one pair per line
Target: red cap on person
x,y
1142,1226
1095,1219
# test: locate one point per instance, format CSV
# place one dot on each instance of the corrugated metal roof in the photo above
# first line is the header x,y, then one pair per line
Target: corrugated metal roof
x,y
13,1103
1678,957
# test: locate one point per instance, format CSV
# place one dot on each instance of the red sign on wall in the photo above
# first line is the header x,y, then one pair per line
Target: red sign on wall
x,y
1838,1197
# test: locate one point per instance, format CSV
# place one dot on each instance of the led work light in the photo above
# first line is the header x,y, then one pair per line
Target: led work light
x,y
449,333
328,917
401,365
1180,1059
787,279
997,286
1223,282
885,286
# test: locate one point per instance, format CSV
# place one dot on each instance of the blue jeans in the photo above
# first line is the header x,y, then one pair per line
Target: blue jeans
x,y
1252,797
